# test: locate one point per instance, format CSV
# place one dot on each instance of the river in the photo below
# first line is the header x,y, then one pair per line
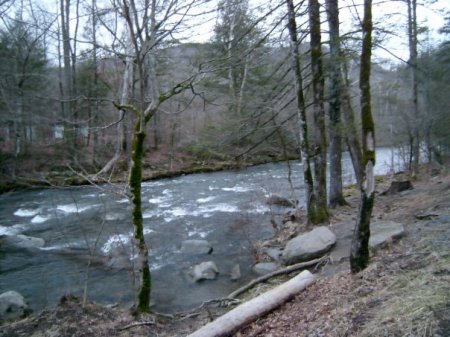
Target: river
x,y
88,223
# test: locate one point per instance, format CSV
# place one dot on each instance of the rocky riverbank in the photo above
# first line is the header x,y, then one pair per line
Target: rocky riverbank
x,y
403,292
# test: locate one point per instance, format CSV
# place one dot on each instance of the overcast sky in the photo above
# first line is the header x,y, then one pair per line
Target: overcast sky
x,y
391,14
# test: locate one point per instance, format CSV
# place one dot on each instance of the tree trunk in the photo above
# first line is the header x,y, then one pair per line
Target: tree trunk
x,y
351,133
120,144
301,110
359,253
67,78
135,180
335,127
320,146
412,37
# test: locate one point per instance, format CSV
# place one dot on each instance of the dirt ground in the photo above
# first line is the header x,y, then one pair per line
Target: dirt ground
x,y
405,291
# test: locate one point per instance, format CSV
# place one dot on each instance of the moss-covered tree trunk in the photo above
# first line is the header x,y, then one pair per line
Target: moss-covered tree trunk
x,y
320,143
336,198
359,254
303,128
135,180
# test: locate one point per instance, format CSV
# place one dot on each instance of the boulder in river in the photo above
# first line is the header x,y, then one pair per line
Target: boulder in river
x,y
196,247
204,271
309,245
20,242
281,201
12,306
235,272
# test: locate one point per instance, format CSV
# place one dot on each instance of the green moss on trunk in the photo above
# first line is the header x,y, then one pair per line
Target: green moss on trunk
x,y
135,180
359,255
319,215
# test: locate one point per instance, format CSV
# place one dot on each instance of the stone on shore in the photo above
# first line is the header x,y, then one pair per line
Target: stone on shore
x,y
383,232
274,253
309,245
12,306
265,267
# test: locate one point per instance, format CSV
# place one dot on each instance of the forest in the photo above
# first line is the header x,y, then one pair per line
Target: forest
x,y
101,91
230,98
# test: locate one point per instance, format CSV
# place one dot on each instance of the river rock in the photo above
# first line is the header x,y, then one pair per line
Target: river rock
x,y
12,306
308,245
20,242
383,232
235,272
265,267
281,201
274,253
196,247
204,271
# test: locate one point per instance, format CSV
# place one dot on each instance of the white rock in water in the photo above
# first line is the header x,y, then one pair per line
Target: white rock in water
x,y
235,272
204,271
196,247
21,242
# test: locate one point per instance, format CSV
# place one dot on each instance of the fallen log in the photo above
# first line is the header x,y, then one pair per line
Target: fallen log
x,y
249,311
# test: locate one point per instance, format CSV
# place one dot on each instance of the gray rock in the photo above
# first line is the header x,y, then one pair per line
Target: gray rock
x,y
204,271
281,201
21,242
265,267
308,245
235,272
341,251
274,253
196,247
12,306
383,232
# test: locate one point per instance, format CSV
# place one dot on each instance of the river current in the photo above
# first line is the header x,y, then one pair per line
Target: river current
x,y
91,225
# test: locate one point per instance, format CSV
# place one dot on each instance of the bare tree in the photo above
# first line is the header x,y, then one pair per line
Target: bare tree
x,y
67,76
359,254
335,88
412,41
147,24
301,110
320,148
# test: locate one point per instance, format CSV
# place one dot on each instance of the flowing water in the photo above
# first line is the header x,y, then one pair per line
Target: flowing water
x,y
91,225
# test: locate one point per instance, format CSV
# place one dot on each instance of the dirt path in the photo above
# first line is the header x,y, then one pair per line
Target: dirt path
x,y
404,292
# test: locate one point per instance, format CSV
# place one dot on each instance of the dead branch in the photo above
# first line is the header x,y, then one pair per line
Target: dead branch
x,y
278,272
135,324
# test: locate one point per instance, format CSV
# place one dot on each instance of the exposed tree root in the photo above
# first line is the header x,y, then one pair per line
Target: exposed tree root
x,y
278,272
